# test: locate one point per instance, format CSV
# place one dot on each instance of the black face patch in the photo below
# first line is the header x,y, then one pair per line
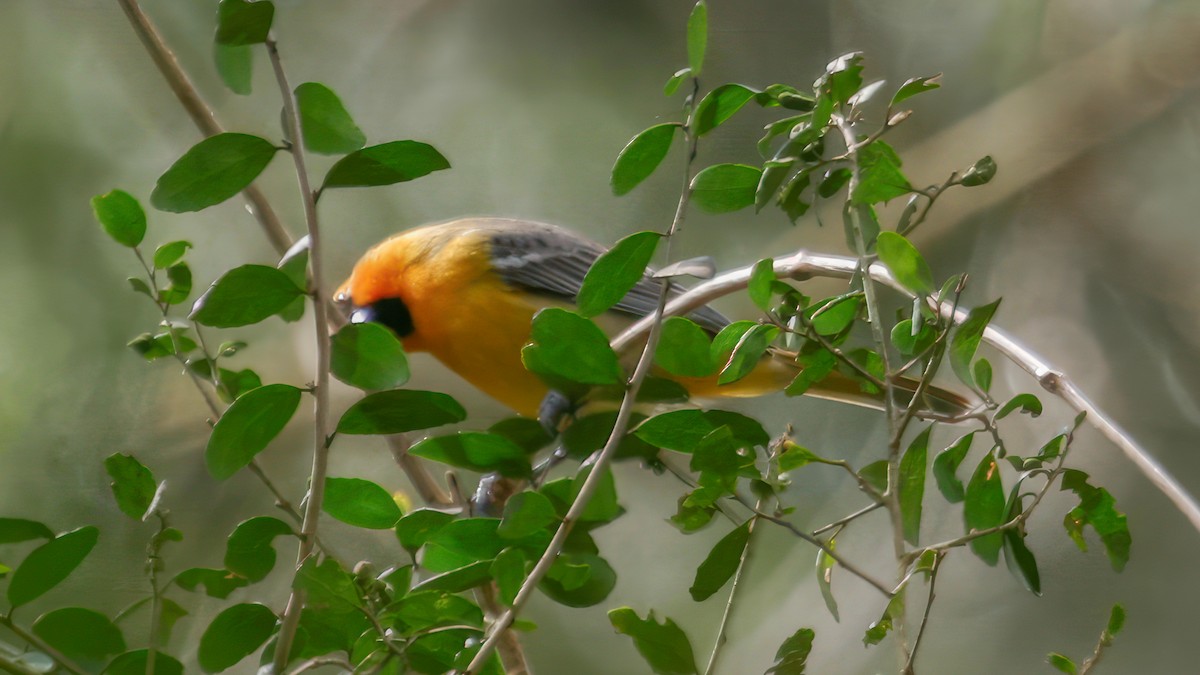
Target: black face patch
x,y
391,312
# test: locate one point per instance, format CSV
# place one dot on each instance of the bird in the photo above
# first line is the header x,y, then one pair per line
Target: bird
x,y
466,291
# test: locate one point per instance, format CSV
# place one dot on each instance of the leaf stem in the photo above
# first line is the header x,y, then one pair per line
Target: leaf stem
x,y
725,616
316,487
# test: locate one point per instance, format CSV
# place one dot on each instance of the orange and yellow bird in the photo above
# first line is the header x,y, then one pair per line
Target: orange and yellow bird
x,y
466,291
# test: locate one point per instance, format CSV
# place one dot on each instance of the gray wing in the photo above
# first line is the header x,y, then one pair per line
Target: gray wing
x,y
552,261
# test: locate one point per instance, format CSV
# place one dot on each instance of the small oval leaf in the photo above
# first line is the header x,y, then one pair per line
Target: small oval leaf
x,y
233,635
641,156
385,164
400,410
245,295
212,171
121,216
723,188
615,272
247,426
360,503
49,564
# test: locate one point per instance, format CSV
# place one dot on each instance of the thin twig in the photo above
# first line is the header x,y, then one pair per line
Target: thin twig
x,y
846,520
804,264
620,425
319,661
725,616
201,113
912,655
10,666
321,437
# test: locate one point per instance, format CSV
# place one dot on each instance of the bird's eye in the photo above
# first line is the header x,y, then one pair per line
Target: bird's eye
x,y
391,312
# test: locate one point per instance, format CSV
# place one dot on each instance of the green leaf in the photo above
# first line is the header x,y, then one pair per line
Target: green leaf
x,y
360,503
248,552
240,22
722,188
245,295
832,316
792,656
762,278
508,570
121,216
368,356
460,579
914,86
905,262
719,105
615,272
327,585
49,564
1116,621
682,430
880,178
824,574
295,265
641,156
1026,403
80,633
817,366
327,127
880,628
748,353
912,485
908,344
1017,557
945,467
835,179
400,410
589,433
664,646
876,475
235,66
217,583
984,508
424,610
684,348
1062,663
579,580
134,663
1096,508
568,346
212,171
415,528
476,451
132,484
385,164
526,513
966,340
170,253
843,77
672,84
237,632
247,426
697,37
981,173
462,542
603,506
18,529
525,432
721,564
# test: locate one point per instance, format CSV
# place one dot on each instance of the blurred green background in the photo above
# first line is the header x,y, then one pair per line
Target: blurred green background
x,y
1091,109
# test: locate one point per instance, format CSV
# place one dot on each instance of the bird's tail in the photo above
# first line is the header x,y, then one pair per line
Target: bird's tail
x,y
776,371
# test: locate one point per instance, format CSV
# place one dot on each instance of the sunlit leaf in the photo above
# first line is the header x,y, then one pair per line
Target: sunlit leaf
x,y
722,188
880,178
121,216
235,66
361,503
719,105
905,262
368,356
697,37
571,347
132,484
914,86
616,272
1097,508
641,156
684,348
240,22
984,508
1026,403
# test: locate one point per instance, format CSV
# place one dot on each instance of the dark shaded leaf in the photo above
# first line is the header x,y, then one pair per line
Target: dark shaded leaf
x,y
525,513
217,583
212,171
664,646
719,105
1026,403
240,22
817,366
80,633
399,411
234,634
980,173
134,663
616,272
458,580
912,484
421,611
121,216
672,84
462,542
984,508
1017,557
508,570
385,164
327,127
248,551
908,344
682,430
945,468
748,352
132,484
878,630
49,564
792,656
415,528
327,585
721,563
476,451
247,426
245,295
641,156
18,529
966,339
